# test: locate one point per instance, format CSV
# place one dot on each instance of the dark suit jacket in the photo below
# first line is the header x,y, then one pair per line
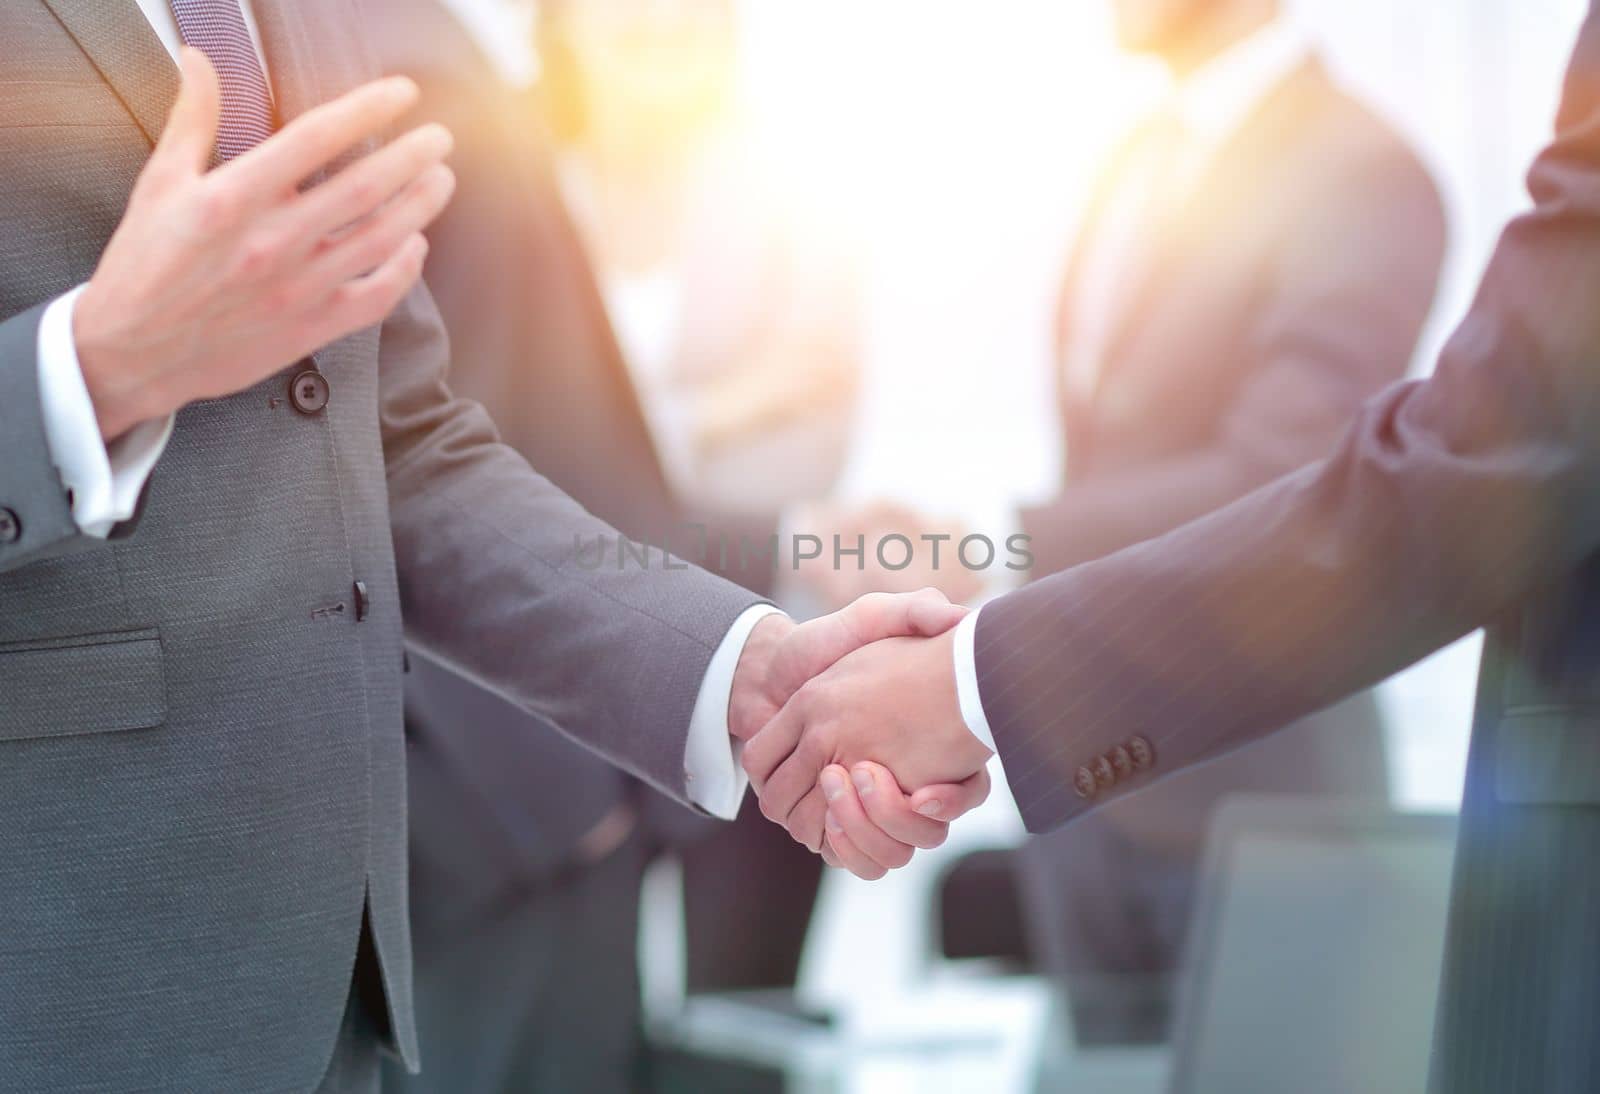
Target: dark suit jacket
x,y
202,770
1290,288
1467,499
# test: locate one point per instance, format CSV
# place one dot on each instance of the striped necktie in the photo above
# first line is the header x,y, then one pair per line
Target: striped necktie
x,y
217,29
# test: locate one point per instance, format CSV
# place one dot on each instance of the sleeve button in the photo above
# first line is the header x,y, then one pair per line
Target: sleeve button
x,y
1143,753
1122,760
10,526
1083,782
1104,773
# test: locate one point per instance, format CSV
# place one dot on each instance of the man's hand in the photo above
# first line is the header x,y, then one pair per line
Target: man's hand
x,y
780,657
872,825
893,703
216,280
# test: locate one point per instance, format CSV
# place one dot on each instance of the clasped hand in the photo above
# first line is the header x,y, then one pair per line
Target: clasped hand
x,y
840,715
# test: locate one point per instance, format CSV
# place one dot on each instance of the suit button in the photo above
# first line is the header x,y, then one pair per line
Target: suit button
x,y
309,391
1083,782
1144,755
10,527
1122,760
1104,774
363,601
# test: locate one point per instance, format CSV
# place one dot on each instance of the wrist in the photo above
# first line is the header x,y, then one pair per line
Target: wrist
x,y
120,393
749,701
964,746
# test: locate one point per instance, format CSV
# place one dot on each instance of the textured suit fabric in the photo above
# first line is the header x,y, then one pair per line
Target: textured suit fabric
x,y
1467,499
538,991
526,956
192,891
1291,287
531,342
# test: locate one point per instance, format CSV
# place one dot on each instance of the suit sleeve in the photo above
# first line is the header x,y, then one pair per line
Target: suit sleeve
x,y
38,521
498,577
1445,503
1347,301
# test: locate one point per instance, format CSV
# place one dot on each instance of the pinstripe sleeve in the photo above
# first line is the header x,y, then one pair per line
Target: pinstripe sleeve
x,y
1445,504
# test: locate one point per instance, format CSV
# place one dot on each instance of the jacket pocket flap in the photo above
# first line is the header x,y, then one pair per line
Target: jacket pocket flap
x,y
1548,756
92,684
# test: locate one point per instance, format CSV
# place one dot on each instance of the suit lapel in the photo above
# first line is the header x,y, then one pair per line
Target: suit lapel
x,y
124,47
314,51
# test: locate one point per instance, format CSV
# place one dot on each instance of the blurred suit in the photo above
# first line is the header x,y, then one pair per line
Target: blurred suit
x,y
527,851
1210,342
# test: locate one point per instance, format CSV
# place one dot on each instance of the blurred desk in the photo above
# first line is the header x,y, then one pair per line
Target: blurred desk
x,y
960,1036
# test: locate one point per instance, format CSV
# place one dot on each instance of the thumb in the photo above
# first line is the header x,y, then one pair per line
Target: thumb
x,y
929,613
191,131
949,801
818,644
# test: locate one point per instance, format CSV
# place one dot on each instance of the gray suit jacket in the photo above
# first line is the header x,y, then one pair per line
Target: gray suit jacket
x,y
202,772
1468,499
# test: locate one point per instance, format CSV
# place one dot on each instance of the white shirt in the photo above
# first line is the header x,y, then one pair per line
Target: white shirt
x,y
1202,112
1211,104
105,483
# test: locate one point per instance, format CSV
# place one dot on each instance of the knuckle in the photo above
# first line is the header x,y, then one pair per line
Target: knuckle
x,y
216,208
365,194
282,298
259,254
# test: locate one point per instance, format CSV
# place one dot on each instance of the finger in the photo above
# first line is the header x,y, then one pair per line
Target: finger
x,y
313,140
791,782
887,807
191,134
372,181
851,858
367,246
818,644
954,800
367,301
930,613
829,857
805,820
772,745
845,812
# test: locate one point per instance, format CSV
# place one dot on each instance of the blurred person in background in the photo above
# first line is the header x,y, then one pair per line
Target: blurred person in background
x,y
732,288
736,301
528,851
1257,260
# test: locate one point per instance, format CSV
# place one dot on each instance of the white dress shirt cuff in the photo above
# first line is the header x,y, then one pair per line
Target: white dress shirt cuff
x,y
104,482
714,776
967,681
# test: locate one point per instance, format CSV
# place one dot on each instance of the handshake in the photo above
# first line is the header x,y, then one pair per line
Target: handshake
x,y
839,717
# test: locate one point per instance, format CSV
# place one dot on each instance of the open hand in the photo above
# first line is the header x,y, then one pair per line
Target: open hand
x,y
217,279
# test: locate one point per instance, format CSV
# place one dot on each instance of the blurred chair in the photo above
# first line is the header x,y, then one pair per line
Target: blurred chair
x,y
1313,964
1317,949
